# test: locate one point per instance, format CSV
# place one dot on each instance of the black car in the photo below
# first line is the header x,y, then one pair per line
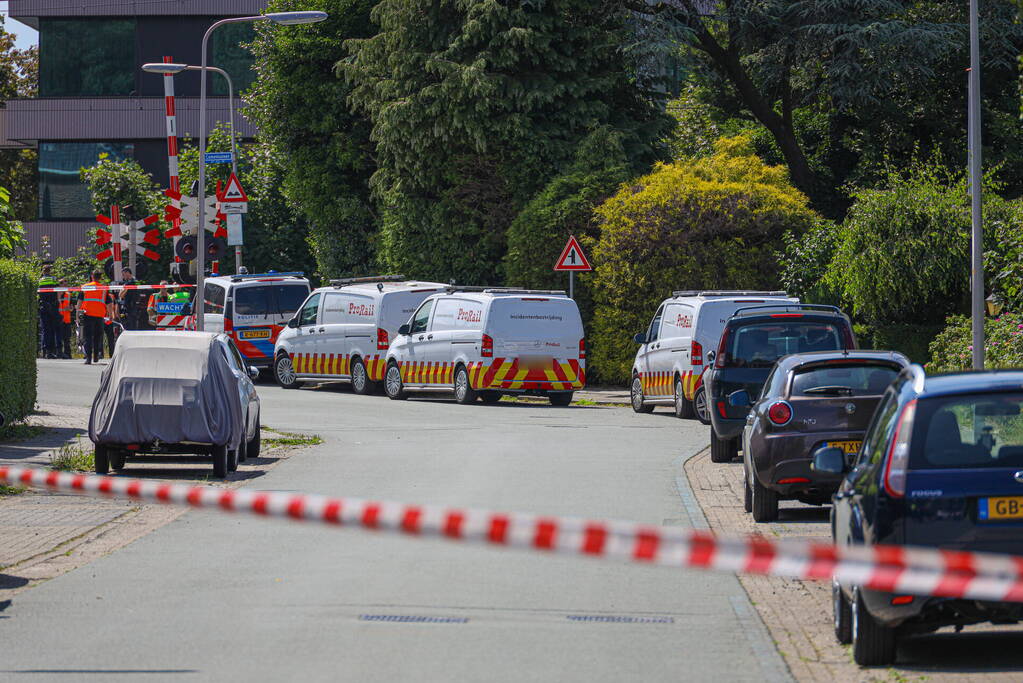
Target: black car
x,y
810,400
941,466
752,340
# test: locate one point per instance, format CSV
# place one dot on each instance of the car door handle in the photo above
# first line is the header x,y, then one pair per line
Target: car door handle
x,y
429,336
420,337
322,329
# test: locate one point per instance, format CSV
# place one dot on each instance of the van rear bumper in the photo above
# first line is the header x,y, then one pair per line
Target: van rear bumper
x,y
507,374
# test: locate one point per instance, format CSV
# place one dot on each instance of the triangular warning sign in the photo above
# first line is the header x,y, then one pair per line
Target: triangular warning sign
x,y
233,191
573,258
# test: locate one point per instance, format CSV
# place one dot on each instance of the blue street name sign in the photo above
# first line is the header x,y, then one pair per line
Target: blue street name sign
x,y
218,157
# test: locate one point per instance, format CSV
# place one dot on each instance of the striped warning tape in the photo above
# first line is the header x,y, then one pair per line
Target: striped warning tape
x,y
112,288
914,571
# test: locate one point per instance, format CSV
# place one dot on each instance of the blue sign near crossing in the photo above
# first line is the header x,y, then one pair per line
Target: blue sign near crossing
x,y
218,157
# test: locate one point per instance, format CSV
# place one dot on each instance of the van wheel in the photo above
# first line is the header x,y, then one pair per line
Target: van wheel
x,y
700,409
361,383
490,397
637,396
873,642
683,406
843,614
284,372
393,387
764,502
464,393
722,450
101,459
219,454
562,398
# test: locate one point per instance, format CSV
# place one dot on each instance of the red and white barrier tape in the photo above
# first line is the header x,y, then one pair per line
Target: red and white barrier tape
x,y
901,570
112,288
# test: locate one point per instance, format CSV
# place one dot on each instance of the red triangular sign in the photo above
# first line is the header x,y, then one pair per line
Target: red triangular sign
x,y
233,191
573,258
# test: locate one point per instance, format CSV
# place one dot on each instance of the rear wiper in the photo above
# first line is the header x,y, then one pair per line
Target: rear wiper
x,y
832,390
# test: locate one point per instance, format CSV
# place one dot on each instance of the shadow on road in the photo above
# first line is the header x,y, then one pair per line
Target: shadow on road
x,y
981,652
15,452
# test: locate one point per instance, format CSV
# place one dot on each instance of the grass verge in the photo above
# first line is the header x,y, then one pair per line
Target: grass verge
x,y
289,439
73,457
6,490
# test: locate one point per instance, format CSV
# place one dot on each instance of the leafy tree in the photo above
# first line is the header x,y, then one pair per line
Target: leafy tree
x,y
19,71
710,223
300,105
12,235
476,105
833,82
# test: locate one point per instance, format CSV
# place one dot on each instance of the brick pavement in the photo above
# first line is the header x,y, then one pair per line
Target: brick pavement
x,y
798,613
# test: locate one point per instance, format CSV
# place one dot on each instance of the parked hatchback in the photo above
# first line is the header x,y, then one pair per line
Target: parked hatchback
x,y
810,400
752,340
941,466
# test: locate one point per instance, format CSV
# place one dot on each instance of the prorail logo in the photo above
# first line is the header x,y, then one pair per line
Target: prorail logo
x,y
361,309
470,316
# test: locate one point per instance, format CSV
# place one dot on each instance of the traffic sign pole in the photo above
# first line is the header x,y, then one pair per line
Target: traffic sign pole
x,y
572,259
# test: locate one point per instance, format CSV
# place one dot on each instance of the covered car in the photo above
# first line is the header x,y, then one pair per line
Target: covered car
x,y
175,393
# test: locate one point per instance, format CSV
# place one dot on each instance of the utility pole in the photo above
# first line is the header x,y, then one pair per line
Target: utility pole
x,y
977,232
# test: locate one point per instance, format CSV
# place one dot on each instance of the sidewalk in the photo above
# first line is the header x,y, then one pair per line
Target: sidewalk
x,y
604,395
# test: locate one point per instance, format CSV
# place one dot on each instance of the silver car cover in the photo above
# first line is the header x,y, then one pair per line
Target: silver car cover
x,y
176,387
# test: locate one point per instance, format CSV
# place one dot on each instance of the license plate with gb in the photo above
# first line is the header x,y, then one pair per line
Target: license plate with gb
x,y
255,334
849,447
1001,507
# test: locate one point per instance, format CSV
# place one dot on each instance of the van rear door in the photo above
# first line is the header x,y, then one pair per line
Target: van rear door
x,y
538,337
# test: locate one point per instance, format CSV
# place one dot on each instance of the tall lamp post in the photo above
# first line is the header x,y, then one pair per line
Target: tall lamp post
x,y
973,137
284,19
172,69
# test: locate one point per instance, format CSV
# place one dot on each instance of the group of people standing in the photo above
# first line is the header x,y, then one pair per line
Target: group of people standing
x,y
101,313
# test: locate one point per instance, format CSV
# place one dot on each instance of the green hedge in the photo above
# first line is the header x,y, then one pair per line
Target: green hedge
x,y
18,329
912,340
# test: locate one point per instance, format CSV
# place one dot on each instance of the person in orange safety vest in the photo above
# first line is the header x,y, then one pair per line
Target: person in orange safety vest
x,y
64,309
93,305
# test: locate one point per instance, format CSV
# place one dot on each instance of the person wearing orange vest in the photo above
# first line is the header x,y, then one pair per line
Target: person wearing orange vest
x,y
93,306
64,309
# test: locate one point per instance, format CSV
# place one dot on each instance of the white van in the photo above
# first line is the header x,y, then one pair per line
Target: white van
x,y
253,309
484,342
674,350
342,332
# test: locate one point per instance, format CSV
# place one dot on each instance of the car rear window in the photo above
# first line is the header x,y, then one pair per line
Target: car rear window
x,y
968,431
846,379
759,345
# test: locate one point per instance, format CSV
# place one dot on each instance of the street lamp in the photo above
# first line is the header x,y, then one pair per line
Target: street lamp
x,y
284,19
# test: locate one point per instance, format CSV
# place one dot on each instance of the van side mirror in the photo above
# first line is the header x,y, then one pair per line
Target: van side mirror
x,y
830,459
640,338
293,322
739,399
404,329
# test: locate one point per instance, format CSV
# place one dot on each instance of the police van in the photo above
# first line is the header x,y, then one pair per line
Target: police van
x,y
484,342
342,332
673,352
253,309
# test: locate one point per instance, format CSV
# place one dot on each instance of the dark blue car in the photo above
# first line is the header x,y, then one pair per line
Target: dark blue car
x,y
941,465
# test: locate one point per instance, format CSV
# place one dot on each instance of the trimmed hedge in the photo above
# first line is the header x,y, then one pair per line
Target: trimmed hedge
x,y
18,328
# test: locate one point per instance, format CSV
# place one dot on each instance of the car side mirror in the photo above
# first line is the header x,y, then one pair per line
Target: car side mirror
x,y
404,329
640,338
739,399
829,459
253,373
710,356
293,323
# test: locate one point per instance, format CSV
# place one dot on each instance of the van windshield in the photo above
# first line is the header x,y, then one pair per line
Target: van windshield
x,y
968,431
759,345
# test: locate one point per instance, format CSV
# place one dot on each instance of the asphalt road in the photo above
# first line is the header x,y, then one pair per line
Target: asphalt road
x,y
214,596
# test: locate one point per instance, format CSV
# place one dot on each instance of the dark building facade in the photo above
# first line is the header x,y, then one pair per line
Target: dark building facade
x,y
95,99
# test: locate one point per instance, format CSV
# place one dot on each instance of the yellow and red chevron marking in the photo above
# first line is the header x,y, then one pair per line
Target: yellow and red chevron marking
x,y
505,373
662,384
336,364
427,372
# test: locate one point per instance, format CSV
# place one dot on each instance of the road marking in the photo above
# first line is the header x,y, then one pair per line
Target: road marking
x,y
612,619
413,619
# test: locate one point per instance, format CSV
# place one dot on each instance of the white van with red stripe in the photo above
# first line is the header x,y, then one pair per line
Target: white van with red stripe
x,y
482,343
679,345
341,333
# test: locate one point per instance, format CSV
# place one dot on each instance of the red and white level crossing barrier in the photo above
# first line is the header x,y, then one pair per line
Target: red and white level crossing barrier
x,y
911,571
174,191
112,288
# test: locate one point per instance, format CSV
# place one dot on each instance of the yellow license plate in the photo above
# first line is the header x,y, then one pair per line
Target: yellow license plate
x,y
254,334
849,447
1002,507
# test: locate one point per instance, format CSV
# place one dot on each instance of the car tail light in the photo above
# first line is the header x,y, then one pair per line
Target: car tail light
x,y
786,315
132,447
794,480
898,454
382,340
780,413
582,349
902,599
721,410
696,353
487,347
722,356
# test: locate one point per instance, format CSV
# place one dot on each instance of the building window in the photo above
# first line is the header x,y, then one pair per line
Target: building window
x,y
229,55
86,57
62,194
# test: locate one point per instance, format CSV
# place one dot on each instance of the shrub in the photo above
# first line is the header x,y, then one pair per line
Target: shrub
x,y
952,349
912,340
714,223
18,327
